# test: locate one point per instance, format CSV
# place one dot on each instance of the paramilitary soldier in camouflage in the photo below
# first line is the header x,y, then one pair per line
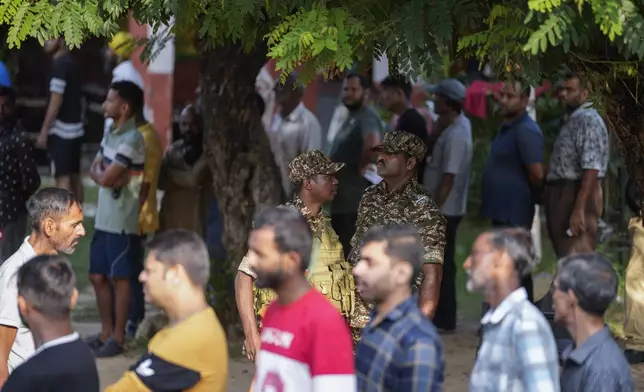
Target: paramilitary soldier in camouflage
x,y
313,175
399,199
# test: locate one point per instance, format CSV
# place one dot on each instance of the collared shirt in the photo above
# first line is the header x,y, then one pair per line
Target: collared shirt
x,y
582,144
125,147
296,134
507,195
408,205
328,271
598,364
19,178
23,346
149,216
401,353
518,351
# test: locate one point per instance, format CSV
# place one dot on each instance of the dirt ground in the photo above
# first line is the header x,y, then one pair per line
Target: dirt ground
x,y
459,354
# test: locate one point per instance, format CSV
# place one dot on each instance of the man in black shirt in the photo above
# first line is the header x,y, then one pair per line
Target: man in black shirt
x,y
62,362
62,129
395,98
19,178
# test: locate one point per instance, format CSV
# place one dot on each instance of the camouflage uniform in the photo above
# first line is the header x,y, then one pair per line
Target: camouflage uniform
x,y
410,204
328,271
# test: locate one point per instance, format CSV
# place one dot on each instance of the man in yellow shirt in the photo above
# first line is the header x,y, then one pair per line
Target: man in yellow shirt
x,y
148,217
190,354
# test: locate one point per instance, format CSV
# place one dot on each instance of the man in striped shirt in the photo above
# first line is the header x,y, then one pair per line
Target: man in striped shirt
x,y
118,170
62,129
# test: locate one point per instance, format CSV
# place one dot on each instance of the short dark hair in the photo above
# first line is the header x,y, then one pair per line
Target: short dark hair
x,y
403,243
49,202
364,81
397,82
518,244
9,93
47,282
592,278
584,83
130,93
185,248
292,231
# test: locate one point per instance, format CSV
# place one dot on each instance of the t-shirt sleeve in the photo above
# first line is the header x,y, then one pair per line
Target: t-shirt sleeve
x,y
244,266
153,373
58,80
9,314
530,145
455,150
593,143
332,361
131,152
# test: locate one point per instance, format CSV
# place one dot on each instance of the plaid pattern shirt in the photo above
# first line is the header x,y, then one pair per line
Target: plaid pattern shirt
x,y
518,352
402,353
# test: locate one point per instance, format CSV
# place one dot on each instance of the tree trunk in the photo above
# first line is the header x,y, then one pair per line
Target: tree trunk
x,y
239,156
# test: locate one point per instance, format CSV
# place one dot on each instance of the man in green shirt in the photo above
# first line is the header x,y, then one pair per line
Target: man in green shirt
x,y
118,170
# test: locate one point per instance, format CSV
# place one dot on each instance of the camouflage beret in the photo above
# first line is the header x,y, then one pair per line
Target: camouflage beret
x,y
309,164
402,142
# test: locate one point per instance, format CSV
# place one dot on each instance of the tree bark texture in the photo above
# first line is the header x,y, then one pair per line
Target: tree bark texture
x,y
239,155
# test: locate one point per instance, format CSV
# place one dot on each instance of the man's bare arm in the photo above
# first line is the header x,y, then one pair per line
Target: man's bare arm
x,y
245,303
108,177
7,337
444,188
430,288
55,102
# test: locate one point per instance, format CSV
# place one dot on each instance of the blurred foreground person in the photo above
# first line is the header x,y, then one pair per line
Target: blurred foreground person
x,y
190,354
400,349
62,361
57,224
584,288
518,351
305,343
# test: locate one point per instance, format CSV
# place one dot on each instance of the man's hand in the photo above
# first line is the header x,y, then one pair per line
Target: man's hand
x,y
252,345
577,222
41,142
122,180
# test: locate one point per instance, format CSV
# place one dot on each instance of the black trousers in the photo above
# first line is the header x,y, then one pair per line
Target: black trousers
x,y
344,226
445,316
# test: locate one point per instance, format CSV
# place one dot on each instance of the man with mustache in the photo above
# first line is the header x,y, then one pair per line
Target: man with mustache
x,y
57,224
313,174
399,199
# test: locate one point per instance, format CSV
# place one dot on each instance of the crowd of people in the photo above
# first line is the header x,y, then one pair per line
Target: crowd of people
x,y
345,286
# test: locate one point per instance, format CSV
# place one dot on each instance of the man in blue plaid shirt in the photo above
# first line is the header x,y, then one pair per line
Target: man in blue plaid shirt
x,y
518,351
399,349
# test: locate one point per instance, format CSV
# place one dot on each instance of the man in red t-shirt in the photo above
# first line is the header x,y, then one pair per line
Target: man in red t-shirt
x,y
305,345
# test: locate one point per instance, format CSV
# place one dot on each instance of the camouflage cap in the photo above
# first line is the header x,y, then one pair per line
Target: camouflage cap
x,y
310,164
402,142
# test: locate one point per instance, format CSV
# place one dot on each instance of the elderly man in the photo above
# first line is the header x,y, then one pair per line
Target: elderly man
x,y
313,174
585,286
399,199
518,351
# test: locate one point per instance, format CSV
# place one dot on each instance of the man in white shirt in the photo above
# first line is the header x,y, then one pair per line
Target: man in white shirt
x,y
295,129
57,225
121,48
